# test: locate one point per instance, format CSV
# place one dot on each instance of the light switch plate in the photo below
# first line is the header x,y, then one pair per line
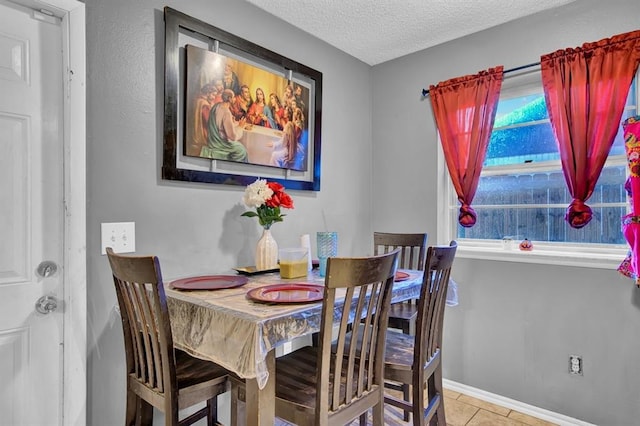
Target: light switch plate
x,y
120,236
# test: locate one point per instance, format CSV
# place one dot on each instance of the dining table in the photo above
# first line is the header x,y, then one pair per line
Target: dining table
x,y
238,327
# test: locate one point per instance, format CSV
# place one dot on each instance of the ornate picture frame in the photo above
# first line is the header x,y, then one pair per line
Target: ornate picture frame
x,y
196,147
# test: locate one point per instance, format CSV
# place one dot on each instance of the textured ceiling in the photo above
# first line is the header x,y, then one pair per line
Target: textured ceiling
x,y
377,31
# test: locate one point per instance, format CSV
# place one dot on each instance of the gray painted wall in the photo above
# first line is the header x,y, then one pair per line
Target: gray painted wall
x,y
197,228
516,323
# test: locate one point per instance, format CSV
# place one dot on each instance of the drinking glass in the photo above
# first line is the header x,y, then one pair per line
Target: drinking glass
x,y
327,247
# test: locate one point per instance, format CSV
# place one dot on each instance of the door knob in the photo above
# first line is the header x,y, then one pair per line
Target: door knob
x,y
46,268
46,304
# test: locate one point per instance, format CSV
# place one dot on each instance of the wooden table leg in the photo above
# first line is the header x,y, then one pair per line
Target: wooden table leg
x,y
261,403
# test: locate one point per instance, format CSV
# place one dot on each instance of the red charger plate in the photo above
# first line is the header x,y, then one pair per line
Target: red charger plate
x,y
401,276
287,293
209,282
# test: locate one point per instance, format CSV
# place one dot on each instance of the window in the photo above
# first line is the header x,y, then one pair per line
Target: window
x,y
522,192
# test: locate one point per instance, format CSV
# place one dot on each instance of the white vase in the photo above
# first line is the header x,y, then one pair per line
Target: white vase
x,y
266,251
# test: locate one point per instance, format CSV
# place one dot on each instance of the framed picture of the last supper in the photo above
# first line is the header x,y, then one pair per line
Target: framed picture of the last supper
x,y
239,112
245,111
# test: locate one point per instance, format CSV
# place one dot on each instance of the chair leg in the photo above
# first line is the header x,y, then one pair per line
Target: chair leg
x,y
212,412
406,390
406,327
438,419
144,413
406,395
435,385
378,414
132,409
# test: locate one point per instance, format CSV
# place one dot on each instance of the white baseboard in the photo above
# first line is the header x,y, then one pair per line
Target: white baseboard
x,y
512,404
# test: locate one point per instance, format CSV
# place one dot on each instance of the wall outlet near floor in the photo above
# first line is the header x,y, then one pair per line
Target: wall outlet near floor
x,y
120,236
575,365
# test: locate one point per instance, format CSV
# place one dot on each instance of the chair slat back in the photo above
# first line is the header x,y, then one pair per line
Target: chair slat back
x,y
433,296
367,283
145,320
413,248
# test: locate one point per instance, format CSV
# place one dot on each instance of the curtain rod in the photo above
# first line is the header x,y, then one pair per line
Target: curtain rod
x,y
425,92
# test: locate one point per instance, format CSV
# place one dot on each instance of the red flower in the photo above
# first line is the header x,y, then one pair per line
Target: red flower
x,y
285,200
279,197
275,186
274,201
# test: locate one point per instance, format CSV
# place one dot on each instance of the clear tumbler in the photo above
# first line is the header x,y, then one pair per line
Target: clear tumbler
x,y
327,247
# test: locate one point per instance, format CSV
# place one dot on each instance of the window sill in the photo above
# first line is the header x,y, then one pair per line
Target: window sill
x,y
599,258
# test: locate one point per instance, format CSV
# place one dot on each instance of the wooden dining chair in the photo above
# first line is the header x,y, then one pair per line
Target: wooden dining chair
x,y
402,315
417,360
157,374
413,249
317,387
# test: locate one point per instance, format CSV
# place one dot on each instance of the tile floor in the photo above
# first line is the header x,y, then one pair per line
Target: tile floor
x,y
464,410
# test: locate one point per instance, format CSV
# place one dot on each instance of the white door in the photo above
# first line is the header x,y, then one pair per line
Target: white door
x,y
31,217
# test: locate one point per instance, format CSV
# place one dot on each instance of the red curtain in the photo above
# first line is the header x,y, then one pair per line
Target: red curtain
x,y
586,89
464,109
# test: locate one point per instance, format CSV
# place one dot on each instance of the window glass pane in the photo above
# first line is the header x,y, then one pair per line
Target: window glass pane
x,y
535,143
545,224
631,99
501,204
521,109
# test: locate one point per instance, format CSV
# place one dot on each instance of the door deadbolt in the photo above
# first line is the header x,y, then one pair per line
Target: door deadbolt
x,y
46,268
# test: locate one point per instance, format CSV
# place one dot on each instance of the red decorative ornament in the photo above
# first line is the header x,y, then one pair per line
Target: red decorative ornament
x,y
526,245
